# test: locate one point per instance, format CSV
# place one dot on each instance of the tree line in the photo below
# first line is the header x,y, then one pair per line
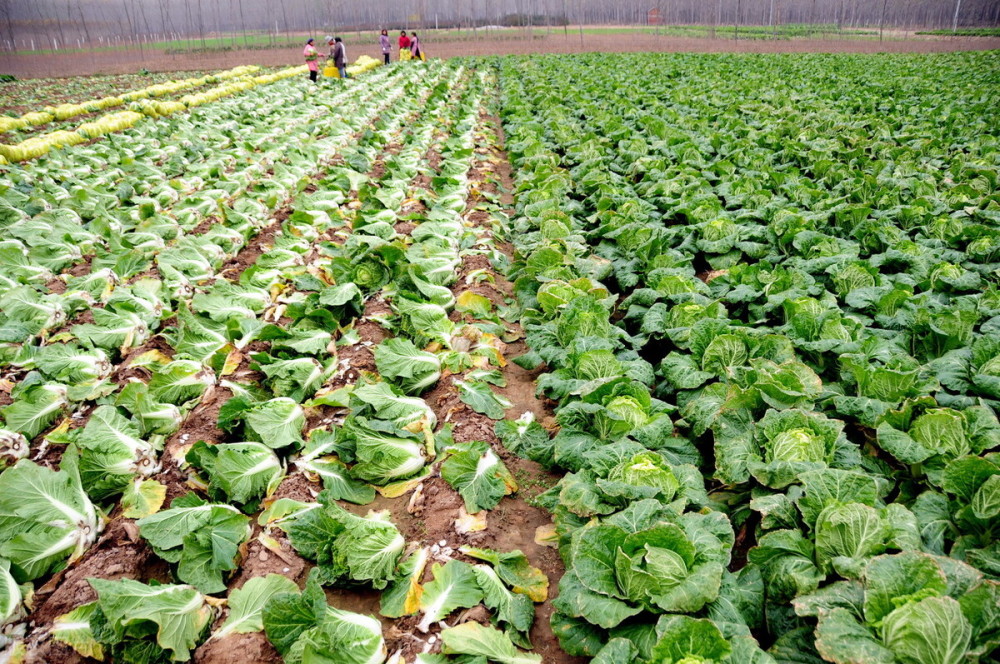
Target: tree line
x,y
68,23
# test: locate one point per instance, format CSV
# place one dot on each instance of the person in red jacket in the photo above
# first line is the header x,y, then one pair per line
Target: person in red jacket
x,y
404,45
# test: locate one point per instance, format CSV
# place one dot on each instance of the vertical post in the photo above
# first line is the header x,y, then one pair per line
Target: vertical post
x,y
954,20
736,22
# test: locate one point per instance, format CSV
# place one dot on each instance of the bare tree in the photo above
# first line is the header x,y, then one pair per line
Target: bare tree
x,y
201,24
131,24
83,21
243,23
5,9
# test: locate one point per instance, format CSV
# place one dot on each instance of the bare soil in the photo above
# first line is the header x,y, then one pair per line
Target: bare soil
x,y
238,649
118,62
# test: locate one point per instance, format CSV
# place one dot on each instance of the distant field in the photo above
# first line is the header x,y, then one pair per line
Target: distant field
x,y
238,42
187,55
964,32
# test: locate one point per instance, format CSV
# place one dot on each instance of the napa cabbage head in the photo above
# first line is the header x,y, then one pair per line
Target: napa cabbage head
x,y
671,566
907,607
648,472
614,409
789,442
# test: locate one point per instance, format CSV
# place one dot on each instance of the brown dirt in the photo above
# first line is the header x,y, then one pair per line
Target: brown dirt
x,y
261,561
203,226
421,181
55,285
433,158
297,487
37,65
356,358
488,288
202,422
49,652
80,269
404,227
377,171
249,254
238,649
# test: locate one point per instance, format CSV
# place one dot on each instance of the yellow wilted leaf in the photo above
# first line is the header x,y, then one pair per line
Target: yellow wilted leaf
x,y
149,358
470,523
474,304
232,362
143,498
546,536
397,489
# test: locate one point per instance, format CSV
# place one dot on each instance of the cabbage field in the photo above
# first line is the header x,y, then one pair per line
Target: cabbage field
x,y
651,359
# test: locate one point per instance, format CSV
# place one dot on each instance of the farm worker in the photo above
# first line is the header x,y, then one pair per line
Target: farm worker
x,y
312,59
404,46
383,40
415,50
338,53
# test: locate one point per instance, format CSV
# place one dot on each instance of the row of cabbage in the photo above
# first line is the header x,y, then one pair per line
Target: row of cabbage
x,y
765,290
68,111
37,146
348,549
59,369
297,298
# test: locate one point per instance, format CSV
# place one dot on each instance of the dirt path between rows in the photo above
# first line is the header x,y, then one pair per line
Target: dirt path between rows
x,y
118,62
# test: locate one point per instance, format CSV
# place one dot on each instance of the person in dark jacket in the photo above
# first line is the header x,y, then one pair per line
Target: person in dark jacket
x,y
338,53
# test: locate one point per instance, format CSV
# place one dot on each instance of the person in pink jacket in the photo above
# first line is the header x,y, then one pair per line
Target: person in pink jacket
x,y
312,59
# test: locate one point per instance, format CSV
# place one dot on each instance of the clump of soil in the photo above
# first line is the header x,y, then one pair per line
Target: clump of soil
x,y
404,227
238,649
261,561
249,254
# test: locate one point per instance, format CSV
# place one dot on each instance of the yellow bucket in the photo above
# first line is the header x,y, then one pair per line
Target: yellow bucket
x,y
330,71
